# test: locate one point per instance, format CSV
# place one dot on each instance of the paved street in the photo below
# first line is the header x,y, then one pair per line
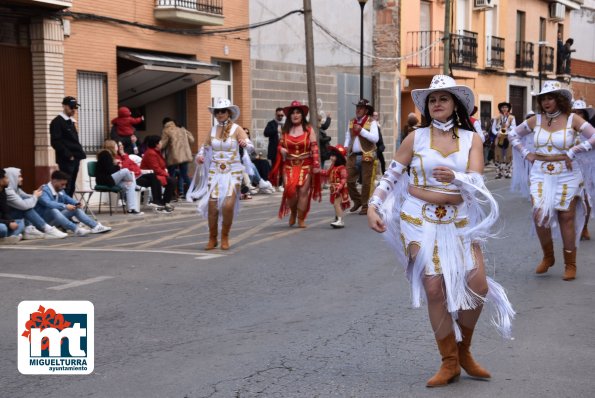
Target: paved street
x,y
289,312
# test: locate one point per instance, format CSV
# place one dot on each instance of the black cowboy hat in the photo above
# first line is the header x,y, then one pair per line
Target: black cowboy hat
x,y
365,103
501,104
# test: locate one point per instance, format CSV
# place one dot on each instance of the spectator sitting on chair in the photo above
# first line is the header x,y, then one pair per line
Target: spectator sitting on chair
x,y
153,160
57,208
144,178
22,205
109,172
176,141
10,229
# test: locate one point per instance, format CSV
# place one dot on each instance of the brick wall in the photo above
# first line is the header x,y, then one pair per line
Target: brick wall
x,y
92,46
584,90
582,68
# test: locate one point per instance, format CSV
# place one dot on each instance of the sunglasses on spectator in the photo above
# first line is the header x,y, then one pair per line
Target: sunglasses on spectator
x,y
216,111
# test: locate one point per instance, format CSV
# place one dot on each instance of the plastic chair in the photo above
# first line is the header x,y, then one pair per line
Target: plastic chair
x,y
91,168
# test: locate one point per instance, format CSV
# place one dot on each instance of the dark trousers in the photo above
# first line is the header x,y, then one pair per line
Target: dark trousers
x,y
169,190
150,180
352,176
70,167
182,171
381,160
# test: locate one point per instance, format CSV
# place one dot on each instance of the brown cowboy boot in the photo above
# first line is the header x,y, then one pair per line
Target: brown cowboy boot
x,y
449,369
301,218
548,258
213,227
293,216
226,226
569,264
466,361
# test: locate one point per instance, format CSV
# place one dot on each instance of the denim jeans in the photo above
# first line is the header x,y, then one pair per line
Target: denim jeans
x,y
63,218
182,171
6,231
255,178
31,218
124,178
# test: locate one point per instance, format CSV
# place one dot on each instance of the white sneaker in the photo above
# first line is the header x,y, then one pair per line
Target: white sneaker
x,y
338,223
32,233
154,205
80,231
280,189
135,213
263,184
99,229
54,233
11,240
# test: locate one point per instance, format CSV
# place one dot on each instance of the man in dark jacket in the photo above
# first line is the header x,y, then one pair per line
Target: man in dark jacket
x,y
272,132
65,141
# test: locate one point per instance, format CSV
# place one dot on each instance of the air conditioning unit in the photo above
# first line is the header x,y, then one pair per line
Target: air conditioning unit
x,y
557,11
483,4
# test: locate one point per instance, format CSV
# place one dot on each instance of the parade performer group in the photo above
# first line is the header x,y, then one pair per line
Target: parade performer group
x,y
501,126
218,175
436,220
298,163
549,154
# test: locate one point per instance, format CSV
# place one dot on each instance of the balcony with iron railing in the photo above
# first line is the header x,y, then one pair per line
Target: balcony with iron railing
x,y
547,59
195,12
524,56
463,49
427,49
495,52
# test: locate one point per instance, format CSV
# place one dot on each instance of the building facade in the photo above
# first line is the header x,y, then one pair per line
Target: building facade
x,y
279,62
158,57
502,49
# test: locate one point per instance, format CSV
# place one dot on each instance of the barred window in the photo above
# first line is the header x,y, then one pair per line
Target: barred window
x,y
92,114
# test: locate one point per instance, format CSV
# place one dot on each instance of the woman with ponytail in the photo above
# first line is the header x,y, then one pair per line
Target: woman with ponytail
x,y
218,177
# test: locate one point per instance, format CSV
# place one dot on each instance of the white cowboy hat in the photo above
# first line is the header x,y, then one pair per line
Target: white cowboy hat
x,y
582,105
224,103
444,83
553,86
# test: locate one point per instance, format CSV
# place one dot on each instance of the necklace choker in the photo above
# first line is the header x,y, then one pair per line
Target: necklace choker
x,y
552,116
443,126
225,123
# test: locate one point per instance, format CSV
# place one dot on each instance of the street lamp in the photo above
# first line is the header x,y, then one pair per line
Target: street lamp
x,y
362,4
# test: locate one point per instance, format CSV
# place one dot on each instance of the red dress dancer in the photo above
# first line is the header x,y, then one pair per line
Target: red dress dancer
x,y
298,158
336,177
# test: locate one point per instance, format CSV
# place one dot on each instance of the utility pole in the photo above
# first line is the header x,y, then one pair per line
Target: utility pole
x,y
310,69
446,63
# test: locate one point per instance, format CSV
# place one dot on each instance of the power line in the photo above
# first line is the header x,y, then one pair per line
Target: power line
x,y
190,32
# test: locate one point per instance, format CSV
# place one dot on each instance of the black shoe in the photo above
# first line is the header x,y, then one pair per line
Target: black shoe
x,y
355,208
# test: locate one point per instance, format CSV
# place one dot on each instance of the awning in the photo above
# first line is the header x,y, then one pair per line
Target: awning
x,y
158,76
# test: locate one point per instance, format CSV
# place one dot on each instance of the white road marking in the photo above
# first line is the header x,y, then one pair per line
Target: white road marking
x,y
66,283
103,249
37,278
81,283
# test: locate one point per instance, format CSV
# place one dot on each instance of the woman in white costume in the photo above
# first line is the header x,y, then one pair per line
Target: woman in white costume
x,y
218,176
435,220
556,182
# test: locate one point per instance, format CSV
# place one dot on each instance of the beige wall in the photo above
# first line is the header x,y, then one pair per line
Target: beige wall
x,y
92,46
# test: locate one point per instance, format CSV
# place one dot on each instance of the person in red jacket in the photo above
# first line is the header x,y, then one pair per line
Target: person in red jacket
x,y
144,178
123,126
153,160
